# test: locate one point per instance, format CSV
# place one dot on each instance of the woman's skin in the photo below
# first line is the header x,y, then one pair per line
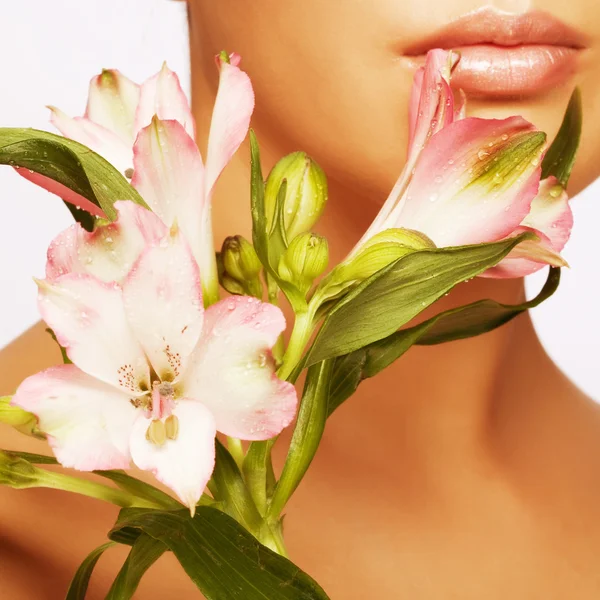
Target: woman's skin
x,y
468,470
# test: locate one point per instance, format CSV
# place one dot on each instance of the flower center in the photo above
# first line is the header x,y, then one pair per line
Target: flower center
x,y
159,405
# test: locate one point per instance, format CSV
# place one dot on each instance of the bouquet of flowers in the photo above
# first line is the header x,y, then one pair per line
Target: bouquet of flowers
x,y
175,358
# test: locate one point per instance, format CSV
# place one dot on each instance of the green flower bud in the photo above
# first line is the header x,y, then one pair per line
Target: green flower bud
x,y
382,249
305,259
375,254
305,197
20,419
241,267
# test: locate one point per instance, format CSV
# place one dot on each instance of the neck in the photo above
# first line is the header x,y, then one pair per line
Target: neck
x,y
440,402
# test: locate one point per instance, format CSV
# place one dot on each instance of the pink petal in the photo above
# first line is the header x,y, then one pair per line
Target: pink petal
x,y
430,109
62,191
232,371
97,138
169,175
162,96
230,121
88,318
163,303
184,464
112,103
431,105
551,219
88,422
473,183
110,251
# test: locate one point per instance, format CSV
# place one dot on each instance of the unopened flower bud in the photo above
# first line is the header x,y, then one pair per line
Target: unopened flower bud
x,y
305,197
241,267
305,259
382,249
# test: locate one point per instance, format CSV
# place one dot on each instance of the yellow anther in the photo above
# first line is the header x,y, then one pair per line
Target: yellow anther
x,y
157,433
172,427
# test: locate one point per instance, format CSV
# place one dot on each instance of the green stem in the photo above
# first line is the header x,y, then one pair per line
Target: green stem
x,y
234,445
303,328
92,489
207,261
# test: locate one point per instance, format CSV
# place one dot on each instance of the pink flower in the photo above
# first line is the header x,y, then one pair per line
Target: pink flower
x,y
147,132
154,374
470,180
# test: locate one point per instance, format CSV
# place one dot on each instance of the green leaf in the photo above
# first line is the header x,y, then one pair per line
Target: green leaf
x,y
232,491
258,473
454,324
143,554
68,163
399,292
79,584
260,234
221,557
308,432
560,157
63,351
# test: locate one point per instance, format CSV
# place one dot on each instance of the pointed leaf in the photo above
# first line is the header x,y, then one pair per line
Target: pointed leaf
x,y
221,557
143,554
79,584
307,434
560,157
69,164
454,324
399,292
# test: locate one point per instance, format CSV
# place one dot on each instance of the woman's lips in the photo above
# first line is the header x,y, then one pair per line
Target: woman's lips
x,y
488,70
505,55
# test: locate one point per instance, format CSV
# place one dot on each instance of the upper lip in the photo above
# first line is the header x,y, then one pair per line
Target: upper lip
x,y
490,27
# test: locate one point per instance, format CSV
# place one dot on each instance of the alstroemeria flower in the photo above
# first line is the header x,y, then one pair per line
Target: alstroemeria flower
x,y
147,132
154,374
470,180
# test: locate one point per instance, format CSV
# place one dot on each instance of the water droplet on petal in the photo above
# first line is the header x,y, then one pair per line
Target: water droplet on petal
x,y
433,197
504,137
482,154
438,179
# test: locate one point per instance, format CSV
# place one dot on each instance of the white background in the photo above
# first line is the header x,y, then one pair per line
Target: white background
x,y
50,51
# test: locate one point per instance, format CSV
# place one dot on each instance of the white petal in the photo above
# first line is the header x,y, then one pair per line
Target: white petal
x,y
99,139
163,303
110,251
88,422
169,175
186,463
112,103
163,96
89,320
232,371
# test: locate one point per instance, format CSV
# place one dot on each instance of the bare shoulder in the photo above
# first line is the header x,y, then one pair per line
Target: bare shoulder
x,y
31,352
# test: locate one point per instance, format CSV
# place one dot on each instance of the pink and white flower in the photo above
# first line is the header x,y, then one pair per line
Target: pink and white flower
x,y
154,374
147,132
470,180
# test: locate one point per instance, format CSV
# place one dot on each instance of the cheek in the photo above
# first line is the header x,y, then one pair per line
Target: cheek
x,y
327,81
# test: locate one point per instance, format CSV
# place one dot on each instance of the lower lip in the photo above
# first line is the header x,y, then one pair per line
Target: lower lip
x,y
508,71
